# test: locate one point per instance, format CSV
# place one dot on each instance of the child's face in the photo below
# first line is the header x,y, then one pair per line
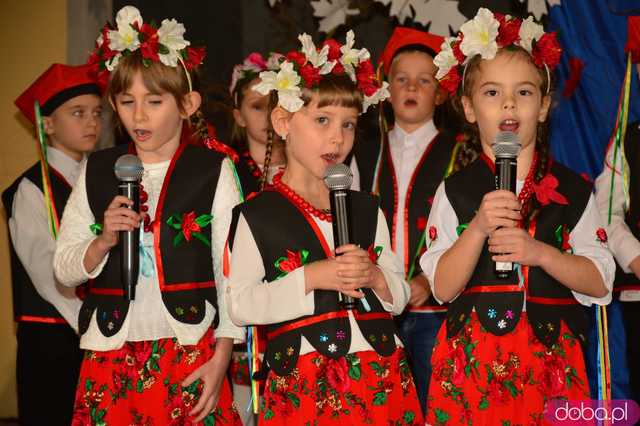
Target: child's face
x,y
319,137
74,127
252,114
153,121
506,96
414,89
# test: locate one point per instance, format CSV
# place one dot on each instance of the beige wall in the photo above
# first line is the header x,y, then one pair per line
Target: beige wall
x,y
34,35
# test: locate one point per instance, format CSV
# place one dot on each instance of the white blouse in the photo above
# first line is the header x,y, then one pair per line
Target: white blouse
x,y
147,318
251,302
582,239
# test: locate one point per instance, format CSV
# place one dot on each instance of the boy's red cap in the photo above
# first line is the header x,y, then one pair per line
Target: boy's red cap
x,y
633,38
54,87
403,36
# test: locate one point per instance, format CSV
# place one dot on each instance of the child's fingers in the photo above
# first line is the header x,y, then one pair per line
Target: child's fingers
x,y
346,248
119,200
356,294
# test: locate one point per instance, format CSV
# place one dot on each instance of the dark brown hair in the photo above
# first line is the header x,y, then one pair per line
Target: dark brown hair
x,y
472,148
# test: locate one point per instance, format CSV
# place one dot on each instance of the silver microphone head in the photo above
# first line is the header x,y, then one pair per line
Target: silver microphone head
x,y
337,177
506,145
128,168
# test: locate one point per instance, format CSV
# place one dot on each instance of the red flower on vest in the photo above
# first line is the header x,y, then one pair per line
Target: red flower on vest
x,y
189,225
546,191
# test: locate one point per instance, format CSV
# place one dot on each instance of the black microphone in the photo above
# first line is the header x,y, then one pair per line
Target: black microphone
x,y
338,179
128,170
506,149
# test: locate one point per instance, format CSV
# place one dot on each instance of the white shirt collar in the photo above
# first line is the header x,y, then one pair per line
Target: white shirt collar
x,y
67,166
421,137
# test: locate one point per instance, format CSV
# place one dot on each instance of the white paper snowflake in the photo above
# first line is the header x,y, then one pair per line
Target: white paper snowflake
x,y
333,13
401,9
539,7
441,13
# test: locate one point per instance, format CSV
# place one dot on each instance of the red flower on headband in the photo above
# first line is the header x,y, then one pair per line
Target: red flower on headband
x,y
509,30
366,77
296,57
547,51
310,75
456,50
149,46
451,80
334,55
195,56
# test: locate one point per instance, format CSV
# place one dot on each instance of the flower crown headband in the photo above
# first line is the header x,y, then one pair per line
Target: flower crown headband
x,y
165,44
484,35
305,68
252,66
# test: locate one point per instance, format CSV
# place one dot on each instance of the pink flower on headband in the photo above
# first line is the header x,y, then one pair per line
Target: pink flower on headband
x,y
484,35
251,67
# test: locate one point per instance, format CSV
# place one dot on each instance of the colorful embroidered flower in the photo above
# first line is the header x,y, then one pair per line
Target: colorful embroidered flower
x,y
189,225
509,314
491,313
332,348
601,234
562,238
502,324
341,335
324,337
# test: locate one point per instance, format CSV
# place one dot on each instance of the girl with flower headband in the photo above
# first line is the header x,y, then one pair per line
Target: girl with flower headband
x,y
260,156
155,359
324,363
509,345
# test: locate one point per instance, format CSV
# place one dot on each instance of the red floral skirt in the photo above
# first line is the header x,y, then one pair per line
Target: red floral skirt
x,y
482,379
139,384
362,388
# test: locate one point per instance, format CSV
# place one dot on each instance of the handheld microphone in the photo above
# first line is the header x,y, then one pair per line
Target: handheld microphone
x,y
128,170
338,179
506,149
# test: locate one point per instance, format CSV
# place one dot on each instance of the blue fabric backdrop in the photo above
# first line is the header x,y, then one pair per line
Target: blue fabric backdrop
x,y
581,125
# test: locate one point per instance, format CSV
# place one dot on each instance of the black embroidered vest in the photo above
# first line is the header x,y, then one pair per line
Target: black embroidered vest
x,y
430,171
28,305
288,235
632,218
184,270
250,183
548,301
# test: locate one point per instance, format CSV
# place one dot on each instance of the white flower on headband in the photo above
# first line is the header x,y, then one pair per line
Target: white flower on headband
x,y
380,95
317,58
530,31
480,35
445,60
352,57
286,82
112,63
273,63
171,36
126,36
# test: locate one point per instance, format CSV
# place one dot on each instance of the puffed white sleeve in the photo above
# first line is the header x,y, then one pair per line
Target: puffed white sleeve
x,y
391,269
441,234
586,239
253,301
226,198
75,236
624,245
